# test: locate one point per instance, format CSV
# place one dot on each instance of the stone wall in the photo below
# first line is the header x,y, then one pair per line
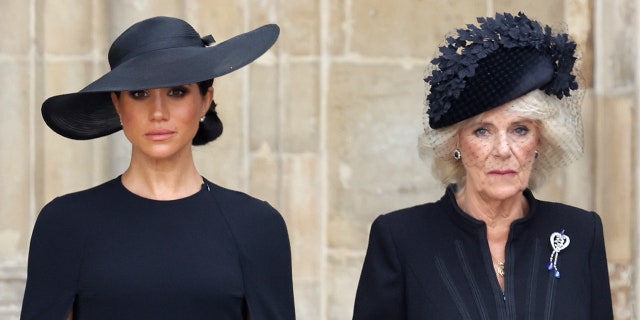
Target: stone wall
x,y
324,126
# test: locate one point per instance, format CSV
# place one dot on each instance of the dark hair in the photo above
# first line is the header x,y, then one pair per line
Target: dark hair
x,y
211,128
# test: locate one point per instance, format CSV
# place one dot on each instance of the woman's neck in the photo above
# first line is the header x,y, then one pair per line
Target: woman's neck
x,y
497,214
162,179
493,212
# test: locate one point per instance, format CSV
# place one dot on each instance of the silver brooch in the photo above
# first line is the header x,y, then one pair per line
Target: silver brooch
x,y
559,241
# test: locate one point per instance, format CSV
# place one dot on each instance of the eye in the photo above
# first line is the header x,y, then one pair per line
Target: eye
x,y
522,130
481,132
139,94
178,92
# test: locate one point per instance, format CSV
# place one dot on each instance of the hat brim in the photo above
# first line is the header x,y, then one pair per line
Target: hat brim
x,y
90,113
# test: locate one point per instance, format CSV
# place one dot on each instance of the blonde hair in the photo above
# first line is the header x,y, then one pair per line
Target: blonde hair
x,y
561,137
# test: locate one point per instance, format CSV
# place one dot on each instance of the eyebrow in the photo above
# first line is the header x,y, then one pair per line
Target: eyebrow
x,y
522,121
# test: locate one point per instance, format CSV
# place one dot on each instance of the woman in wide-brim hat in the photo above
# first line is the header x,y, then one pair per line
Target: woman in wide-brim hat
x,y
502,110
159,241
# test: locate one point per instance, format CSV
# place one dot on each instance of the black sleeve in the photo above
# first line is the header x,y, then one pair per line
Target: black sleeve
x,y
54,259
267,265
380,292
263,242
601,306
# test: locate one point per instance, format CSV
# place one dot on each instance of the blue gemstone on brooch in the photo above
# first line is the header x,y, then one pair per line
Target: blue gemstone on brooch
x,y
557,274
550,266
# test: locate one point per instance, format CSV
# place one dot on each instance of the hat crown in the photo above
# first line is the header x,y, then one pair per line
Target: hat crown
x,y
150,35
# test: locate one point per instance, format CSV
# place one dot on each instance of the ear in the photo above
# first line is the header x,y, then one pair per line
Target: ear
x,y
208,98
540,135
540,143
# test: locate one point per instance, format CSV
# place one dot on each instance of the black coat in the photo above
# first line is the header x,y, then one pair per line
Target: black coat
x,y
433,262
110,254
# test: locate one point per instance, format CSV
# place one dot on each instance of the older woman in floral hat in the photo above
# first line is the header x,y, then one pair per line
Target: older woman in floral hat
x,y
503,110
159,241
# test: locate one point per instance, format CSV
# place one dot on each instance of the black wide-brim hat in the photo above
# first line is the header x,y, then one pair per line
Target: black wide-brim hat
x,y
158,52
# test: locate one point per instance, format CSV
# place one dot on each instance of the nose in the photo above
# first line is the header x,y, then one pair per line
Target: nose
x,y
159,109
503,146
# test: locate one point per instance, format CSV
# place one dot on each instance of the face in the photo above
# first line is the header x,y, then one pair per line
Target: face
x,y
161,123
498,152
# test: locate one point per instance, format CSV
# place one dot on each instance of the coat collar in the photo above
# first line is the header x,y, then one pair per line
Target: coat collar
x,y
471,224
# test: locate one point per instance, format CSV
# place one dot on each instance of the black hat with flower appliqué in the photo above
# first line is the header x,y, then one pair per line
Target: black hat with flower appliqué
x,y
495,62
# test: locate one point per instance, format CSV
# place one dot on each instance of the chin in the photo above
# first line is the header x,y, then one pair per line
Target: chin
x,y
161,152
502,192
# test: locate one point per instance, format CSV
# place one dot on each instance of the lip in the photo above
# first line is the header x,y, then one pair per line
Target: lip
x,y
159,134
502,172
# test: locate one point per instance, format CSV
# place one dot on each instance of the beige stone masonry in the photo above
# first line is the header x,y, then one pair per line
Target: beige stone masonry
x,y
324,126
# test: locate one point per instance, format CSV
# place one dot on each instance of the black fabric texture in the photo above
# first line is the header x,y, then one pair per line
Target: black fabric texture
x,y
503,76
106,253
433,261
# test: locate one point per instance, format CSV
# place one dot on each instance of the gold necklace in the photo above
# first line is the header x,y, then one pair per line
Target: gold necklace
x,y
500,269
500,266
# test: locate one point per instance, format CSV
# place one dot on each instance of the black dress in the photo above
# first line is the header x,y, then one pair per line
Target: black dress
x,y
433,262
110,254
